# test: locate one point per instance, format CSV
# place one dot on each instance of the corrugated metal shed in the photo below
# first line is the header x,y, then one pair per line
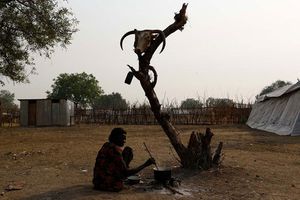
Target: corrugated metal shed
x,y
46,112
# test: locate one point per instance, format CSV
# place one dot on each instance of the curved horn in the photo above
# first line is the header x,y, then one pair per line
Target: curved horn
x,y
125,35
163,36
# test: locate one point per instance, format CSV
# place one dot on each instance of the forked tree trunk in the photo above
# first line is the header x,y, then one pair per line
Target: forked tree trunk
x,y
198,152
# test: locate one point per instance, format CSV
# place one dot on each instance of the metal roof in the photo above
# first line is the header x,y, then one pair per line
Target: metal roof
x,y
280,92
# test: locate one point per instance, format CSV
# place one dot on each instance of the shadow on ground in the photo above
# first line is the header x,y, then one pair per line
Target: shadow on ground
x,y
72,193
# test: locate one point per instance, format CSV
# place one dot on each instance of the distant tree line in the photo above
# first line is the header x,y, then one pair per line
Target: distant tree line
x,y
84,90
191,103
112,101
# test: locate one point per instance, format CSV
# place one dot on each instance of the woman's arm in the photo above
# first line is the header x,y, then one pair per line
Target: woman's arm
x,y
133,171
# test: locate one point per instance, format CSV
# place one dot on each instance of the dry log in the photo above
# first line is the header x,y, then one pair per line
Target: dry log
x,y
198,153
217,156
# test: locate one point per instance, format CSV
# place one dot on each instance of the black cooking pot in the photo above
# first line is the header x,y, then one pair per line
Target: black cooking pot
x,y
129,78
162,174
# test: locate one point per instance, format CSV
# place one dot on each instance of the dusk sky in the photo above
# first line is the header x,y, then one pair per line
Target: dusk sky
x,y
228,49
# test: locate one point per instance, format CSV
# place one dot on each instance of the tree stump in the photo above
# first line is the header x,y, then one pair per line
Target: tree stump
x,y
198,153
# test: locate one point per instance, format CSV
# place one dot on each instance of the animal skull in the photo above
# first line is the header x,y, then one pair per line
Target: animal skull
x,y
143,39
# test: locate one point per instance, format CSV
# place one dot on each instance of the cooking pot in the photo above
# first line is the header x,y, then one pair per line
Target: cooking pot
x,y
162,174
129,78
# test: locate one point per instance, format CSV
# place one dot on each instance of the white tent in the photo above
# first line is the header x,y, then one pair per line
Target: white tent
x,y
278,111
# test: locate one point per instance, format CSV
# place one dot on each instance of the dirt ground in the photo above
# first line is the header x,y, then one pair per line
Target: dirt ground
x,y
57,163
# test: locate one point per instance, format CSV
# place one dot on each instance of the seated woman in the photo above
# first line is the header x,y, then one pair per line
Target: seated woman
x,y
112,164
